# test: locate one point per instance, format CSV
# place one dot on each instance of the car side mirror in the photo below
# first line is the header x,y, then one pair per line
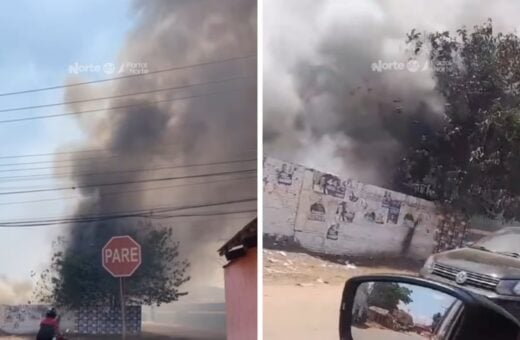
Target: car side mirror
x,y
398,307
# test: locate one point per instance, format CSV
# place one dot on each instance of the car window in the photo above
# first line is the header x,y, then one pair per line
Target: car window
x,y
448,322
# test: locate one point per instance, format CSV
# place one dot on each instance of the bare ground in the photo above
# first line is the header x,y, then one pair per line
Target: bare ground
x,y
302,293
150,331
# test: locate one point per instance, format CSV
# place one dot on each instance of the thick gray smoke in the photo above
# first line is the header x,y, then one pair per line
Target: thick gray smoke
x,y
217,124
324,104
14,291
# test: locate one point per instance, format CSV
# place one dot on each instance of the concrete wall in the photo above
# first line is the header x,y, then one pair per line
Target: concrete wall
x,y
25,319
241,297
340,216
98,320
282,185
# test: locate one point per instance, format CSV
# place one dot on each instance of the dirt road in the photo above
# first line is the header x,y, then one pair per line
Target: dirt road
x,y
372,334
150,331
302,295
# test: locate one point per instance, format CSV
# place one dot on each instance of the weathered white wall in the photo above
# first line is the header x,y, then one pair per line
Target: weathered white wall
x,y
25,319
281,194
348,217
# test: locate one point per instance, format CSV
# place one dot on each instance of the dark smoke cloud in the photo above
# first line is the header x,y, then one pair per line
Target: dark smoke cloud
x,y
199,130
325,107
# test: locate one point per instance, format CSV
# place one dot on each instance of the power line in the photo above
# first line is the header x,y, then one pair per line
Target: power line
x,y
143,212
14,120
7,179
211,214
53,153
178,87
175,68
64,160
128,182
70,160
115,193
67,166
247,211
71,152
154,213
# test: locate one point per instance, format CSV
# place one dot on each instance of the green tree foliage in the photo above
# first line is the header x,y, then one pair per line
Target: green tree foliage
x,y
473,162
388,294
76,277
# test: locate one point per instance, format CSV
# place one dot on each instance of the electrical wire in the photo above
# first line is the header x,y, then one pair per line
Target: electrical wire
x,y
175,68
115,193
115,108
249,211
178,87
97,185
72,160
154,213
7,179
74,152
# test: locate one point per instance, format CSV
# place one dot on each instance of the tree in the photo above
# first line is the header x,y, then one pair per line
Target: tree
x,y
76,277
472,163
388,294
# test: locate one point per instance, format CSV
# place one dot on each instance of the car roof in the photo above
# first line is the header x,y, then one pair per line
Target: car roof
x,y
508,230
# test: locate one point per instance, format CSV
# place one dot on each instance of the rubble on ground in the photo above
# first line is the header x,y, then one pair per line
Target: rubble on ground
x,y
305,270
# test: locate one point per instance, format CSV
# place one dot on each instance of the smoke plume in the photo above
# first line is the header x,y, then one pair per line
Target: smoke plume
x,y
326,107
14,291
216,122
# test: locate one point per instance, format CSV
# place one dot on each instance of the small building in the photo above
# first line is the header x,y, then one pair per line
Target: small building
x,y
380,316
240,278
422,329
404,319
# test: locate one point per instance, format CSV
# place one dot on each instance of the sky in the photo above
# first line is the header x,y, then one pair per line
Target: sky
x,y
41,40
426,302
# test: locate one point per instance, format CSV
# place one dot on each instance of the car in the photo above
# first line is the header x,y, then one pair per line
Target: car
x,y
448,321
490,267
436,311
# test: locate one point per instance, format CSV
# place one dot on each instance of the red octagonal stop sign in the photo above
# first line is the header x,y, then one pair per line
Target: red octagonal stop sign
x,y
121,256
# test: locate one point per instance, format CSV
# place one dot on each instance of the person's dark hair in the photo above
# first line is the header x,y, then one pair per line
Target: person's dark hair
x,y
51,313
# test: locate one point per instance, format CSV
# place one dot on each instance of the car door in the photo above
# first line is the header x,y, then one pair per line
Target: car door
x,y
447,327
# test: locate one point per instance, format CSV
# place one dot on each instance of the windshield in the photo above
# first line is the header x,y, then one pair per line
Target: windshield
x,y
504,241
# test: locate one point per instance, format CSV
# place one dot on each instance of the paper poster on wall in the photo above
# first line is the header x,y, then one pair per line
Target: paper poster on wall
x,y
373,217
317,211
387,200
329,185
352,197
343,213
394,209
285,175
333,232
410,221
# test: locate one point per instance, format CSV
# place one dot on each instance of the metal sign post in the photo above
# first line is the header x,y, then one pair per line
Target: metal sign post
x,y
123,316
121,257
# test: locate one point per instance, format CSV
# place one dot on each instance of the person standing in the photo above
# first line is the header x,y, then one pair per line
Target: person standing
x,y
49,326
